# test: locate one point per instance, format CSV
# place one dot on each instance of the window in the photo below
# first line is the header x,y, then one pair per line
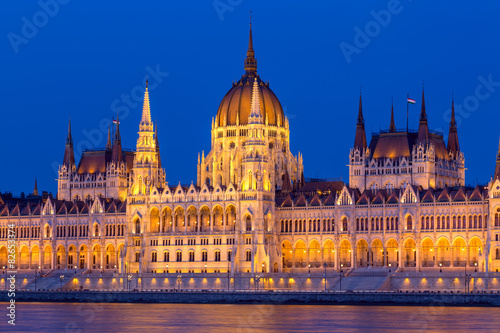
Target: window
x,y
191,256
154,257
249,255
204,256
217,241
409,223
179,256
192,241
344,224
204,241
137,227
229,254
217,255
96,231
248,224
248,240
166,256
137,257
166,242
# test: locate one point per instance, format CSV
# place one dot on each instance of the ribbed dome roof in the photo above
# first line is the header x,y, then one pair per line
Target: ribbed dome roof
x,y
235,106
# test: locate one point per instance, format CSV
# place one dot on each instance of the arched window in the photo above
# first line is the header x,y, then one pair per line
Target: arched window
x,y
229,255
344,224
217,255
191,256
137,227
166,256
248,224
154,257
204,256
497,219
137,257
409,223
96,230
249,255
179,256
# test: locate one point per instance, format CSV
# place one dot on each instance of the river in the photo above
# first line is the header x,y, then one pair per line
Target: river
x,y
140,317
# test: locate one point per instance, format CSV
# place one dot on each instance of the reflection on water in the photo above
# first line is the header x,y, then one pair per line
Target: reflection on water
x,y
105,317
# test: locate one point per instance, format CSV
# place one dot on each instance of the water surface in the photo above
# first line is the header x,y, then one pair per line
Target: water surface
x,y
121,317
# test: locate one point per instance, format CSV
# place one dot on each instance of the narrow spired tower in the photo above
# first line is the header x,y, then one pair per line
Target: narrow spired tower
x,y
423,127
392,125
453,146
117,152
360,137
69,155
146,170
257,186
497,167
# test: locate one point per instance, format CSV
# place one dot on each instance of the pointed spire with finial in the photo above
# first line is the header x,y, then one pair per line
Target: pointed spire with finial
x,y
109,142
255,112
117,153
35,189
497,167
250,61
453,145
360,137
423,127
157,144
146,123
69,154
392,126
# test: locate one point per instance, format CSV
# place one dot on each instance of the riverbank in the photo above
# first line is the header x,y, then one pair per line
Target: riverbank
x,y
227,297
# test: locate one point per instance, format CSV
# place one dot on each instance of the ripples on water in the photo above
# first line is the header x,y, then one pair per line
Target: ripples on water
x,y
105,317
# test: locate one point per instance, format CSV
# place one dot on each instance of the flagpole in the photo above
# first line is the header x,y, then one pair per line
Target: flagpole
x,y
407,96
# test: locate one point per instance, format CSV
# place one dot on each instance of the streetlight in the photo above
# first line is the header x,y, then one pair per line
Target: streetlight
x,y
101,269
75,269
440,267
167,268
389,268
129,278
35,275
475,267
61,278
309,268
324,265
205,268
257,280
179,280
341,272
115,269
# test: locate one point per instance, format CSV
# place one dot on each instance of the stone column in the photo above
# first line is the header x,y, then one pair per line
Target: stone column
x,y
186,216
198,223
89,258
370,257
400,256
353,257
211,219
436,264
418,258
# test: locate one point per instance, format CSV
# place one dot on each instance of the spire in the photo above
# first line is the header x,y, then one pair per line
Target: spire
x,y
157,144
69,155
117,153
392,126
497,168
250,61
360,137
146,124
453,145
255,113
109,143
423,127
35,190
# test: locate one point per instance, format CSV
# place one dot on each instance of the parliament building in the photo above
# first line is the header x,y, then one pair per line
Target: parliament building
x,y
406,205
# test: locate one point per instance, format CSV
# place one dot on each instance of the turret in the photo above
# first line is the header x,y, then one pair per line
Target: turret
x,y
360,137
392,125
423,127
117,153
453,146
497,167
69,155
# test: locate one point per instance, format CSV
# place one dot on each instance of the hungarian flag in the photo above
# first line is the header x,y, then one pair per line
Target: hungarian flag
x,y
117,122
411,101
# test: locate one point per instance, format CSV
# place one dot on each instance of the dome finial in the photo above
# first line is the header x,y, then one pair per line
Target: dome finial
x,y
250,61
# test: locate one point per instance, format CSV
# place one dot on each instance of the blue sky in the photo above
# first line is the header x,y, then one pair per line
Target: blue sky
x,y
82,57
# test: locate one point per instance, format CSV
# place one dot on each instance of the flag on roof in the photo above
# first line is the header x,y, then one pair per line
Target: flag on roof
x,y
411,101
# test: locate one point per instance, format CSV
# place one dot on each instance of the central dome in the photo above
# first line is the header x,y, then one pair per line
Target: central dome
x,y
235,106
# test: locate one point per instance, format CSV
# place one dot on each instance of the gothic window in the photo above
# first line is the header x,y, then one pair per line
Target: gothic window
x,y
344,224
497,219
179,256
154,256
96,231
137,257
204,256
191,256
248,255
409,223
232,145
248,224
166,256
229,254
374,186
217,255
137,227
